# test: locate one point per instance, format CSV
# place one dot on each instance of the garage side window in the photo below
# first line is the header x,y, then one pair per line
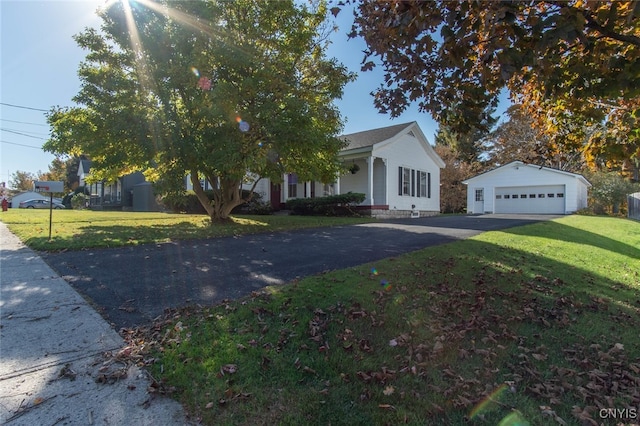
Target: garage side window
x,y
479,195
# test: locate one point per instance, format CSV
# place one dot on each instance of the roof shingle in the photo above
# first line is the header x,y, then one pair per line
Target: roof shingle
x,y
374,136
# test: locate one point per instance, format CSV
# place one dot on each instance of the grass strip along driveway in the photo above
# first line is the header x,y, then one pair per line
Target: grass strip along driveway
x,y
80,229
537,324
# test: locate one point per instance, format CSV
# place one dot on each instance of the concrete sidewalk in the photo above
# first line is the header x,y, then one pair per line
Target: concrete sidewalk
x,y
53,367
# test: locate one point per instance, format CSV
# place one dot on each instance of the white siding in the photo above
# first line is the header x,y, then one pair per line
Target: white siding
x,y
263,188
408,152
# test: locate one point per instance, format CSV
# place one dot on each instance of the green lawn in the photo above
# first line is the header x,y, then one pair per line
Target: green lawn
x,y
78,229
532,325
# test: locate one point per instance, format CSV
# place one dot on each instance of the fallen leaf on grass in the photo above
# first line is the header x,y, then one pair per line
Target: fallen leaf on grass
x,y
229,369
548,412
308,370
388,390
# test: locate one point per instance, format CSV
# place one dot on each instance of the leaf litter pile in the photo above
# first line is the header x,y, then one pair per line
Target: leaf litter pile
x,y
443,345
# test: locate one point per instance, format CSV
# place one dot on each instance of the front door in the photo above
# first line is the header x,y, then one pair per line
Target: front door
x,y
276,193
478,205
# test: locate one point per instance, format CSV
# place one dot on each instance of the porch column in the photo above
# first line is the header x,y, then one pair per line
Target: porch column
x,y
285,188
307,189
370,161
336,186
386,182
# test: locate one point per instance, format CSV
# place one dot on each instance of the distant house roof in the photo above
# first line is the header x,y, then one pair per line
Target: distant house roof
x,y
372,137
85,166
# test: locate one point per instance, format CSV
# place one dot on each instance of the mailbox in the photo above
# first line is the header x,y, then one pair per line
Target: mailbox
x,y
48,186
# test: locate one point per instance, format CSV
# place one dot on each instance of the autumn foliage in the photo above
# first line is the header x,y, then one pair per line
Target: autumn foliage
x,y
572,64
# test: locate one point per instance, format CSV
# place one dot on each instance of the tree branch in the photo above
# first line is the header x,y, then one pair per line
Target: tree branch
x,y
609,33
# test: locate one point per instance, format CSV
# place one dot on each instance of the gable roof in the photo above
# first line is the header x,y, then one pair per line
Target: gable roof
x,y
523,164
374,136
84,166
370,140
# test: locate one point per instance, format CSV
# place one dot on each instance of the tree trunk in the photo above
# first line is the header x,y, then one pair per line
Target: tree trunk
x,y
202,197
225,198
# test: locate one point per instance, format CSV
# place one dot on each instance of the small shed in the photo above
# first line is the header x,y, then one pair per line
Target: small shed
x,y
143,198
519,187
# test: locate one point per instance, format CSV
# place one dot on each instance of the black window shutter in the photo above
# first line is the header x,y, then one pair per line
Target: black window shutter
x,y
399,180
429,185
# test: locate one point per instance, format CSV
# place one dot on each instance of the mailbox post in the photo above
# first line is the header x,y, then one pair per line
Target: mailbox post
x,y
50,187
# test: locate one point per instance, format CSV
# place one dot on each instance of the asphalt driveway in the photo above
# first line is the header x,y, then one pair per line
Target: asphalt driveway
x,y
130,286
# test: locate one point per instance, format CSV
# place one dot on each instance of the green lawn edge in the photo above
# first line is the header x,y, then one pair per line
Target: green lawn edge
x,y
80,229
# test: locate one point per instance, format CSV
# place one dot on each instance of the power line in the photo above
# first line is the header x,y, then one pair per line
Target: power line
x,y
24,107
21,144
22,134
24,122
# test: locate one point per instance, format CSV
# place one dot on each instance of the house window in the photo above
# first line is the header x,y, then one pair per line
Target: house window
x,y
293,185
414,183
404,181
423,184
479,195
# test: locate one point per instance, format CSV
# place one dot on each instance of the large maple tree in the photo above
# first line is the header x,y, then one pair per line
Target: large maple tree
x,y
226,91
575,66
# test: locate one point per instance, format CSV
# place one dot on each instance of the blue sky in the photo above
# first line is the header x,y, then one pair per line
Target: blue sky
x,y
39,62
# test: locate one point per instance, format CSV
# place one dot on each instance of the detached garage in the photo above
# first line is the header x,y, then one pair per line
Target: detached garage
x,y
518,187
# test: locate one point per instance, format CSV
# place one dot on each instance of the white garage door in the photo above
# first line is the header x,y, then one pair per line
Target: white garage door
x,y
548,199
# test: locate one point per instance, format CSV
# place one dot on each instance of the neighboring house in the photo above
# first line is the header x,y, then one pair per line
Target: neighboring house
x,y
395,167
519,187
129,192
83,171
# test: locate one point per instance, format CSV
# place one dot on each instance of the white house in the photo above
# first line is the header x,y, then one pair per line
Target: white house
x,y
519,187
395,167
399,171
